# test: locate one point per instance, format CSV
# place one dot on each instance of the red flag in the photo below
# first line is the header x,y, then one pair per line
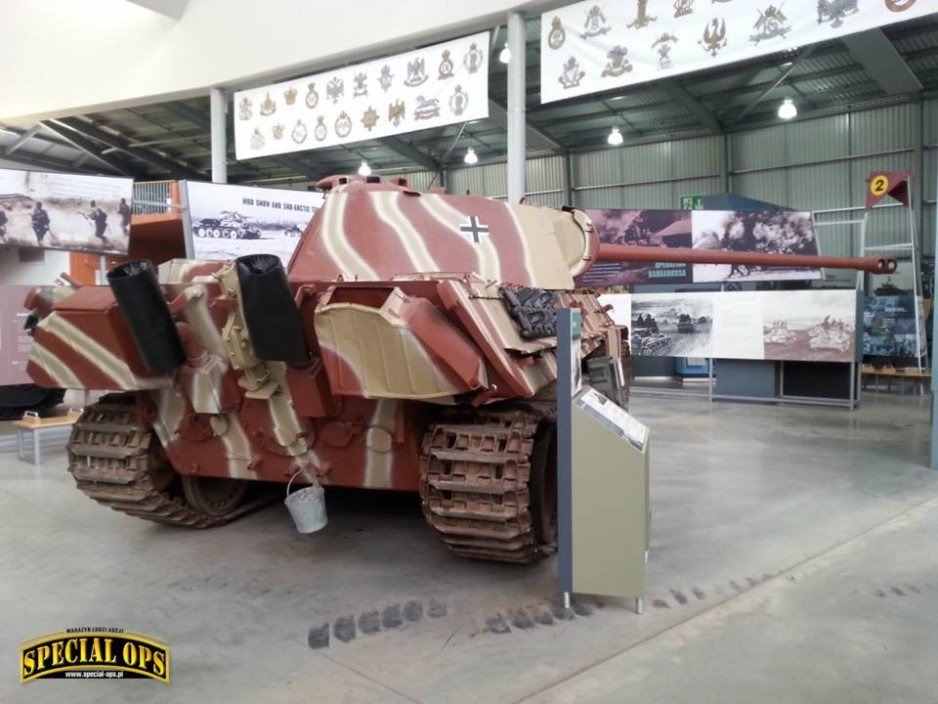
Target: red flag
x,y
888,183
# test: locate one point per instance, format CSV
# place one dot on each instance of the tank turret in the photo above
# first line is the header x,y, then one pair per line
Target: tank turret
x,y
409,345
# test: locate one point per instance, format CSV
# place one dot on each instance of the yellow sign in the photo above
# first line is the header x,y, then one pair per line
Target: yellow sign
x,y
879,185
94,653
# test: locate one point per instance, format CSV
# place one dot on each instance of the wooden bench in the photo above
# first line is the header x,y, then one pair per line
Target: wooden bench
x,y
918,378
31,429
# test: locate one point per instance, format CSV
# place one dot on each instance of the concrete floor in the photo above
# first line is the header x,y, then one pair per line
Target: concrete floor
x,y
792,560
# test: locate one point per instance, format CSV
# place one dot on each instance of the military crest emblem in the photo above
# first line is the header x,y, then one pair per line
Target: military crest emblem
x,y
396,112
617,62
771,24
595,24
473,59
361,85
312,97
289,96
899,5
683,7
277,131
268,107
664,43
446,66
386,77
836,11
245,109
343,125
320,131
299,132
257,139
557,35
416,72
572,74
335,89
370,118
426,109
714,37
459,101
642,18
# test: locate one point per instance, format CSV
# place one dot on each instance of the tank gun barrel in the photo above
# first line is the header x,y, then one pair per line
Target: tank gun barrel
x,y
683,255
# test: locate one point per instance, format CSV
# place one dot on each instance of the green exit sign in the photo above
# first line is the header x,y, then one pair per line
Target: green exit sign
x,y
691,202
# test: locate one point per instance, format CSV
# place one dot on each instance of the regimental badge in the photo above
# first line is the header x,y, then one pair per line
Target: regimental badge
x,y
268,107
312,97
335,89
683,7
557,35
245,109
277,131
343,125
771,24
361,85
257,139
572,74
616,62
370,118
836,11
473,58
595,24
899,5
416,72
320,131
299,132
289,96
459,101
426,109
396,112
714,36
664,44
446,66
642,18
386,77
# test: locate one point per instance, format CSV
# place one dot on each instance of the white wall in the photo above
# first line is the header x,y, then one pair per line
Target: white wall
x,y
76,56
13,271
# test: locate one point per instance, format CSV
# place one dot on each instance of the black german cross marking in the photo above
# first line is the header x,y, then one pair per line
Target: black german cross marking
x,y
475,228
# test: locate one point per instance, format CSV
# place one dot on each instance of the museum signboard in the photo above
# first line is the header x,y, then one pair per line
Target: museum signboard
x,y
430,87
591,46
225,222
814,325
65,211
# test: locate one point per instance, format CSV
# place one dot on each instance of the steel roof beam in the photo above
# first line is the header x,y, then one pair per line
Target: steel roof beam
x,y
879,58
22,139
681,95
801,58
409,151
88,147
86,129
535,137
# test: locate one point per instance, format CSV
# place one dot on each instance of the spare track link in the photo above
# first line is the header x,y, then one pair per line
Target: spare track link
x,y
474,485
109,457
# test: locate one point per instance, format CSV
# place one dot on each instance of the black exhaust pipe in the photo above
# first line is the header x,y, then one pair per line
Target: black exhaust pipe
x,y
270,313
141,300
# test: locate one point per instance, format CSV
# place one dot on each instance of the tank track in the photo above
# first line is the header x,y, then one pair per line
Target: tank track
x,y
474,474
117,461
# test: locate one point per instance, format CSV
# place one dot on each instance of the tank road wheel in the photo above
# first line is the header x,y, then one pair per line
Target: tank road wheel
x,y
214,496
119,462
488,484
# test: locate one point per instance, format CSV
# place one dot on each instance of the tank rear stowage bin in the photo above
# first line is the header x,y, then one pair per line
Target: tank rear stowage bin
x,y
270,312
144,307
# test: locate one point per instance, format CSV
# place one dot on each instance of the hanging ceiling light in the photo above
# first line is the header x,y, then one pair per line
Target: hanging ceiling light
x,y
471,156
615,137
364,169
504,55
787,110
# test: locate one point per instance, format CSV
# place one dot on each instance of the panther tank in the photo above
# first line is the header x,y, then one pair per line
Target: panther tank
x,y
409,345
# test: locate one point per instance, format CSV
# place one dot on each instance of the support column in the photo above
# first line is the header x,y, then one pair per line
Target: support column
x,y
568,179
516,107
934,355
918,173
218,103
726,166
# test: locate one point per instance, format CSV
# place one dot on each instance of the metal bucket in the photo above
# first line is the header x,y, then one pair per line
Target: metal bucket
x,y
307,507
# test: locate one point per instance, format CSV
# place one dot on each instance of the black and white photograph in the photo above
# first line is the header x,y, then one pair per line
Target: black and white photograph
x,y
226,222
644,228
810,326
763,232
65,211
672,325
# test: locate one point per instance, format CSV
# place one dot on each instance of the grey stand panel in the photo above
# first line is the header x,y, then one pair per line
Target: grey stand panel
x,y
752,378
